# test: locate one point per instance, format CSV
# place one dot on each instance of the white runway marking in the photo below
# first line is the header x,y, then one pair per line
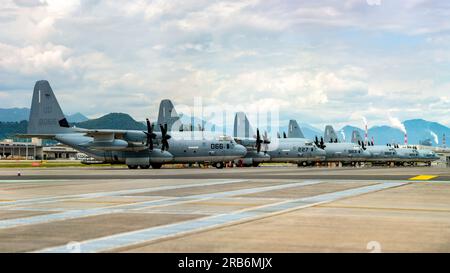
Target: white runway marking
x,y
32,181
52,199
140,205
154,233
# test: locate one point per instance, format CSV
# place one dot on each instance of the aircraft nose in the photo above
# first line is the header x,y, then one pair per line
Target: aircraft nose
x,y
321,152
241,150
158,156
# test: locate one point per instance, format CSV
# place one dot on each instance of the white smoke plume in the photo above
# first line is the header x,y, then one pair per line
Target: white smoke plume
x,y
343,135
436,139
364,120
396,123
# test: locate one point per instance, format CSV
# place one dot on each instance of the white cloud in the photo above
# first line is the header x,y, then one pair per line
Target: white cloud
x,y
320,61
34,59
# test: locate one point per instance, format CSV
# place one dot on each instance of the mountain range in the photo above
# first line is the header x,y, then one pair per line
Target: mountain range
x,y
14,121
19,114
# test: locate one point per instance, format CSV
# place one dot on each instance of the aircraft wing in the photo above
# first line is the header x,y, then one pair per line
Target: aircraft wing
x,y
118,134
103,133
42,136
248,143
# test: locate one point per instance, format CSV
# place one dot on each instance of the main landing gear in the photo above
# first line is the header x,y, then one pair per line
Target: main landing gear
x,y
145,167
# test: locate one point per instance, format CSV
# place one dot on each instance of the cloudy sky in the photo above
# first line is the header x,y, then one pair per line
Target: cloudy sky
x,y
319,61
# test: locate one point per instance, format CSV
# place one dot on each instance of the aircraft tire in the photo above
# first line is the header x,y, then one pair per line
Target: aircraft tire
x,y
219,165
132,167
156,165
255,164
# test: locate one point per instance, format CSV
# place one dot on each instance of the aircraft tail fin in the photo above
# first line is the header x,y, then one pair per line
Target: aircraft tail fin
x,y
356,137
242,127
330,135
294,130
168,115
46,116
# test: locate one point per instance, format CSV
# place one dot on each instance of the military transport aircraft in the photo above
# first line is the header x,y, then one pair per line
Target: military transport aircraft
x,y
410,155
196,146
296,149
132,147
244,134
294,131
341,152
380,154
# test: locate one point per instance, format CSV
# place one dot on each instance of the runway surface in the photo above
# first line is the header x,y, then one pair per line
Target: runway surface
x,y
265,209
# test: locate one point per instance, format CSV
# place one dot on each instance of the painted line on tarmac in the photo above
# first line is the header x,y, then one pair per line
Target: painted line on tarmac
x,y
155,233
423,177
33,181
60,198
9,223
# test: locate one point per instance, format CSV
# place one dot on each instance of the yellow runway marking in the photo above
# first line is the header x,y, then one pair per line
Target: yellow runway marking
x,y
423,177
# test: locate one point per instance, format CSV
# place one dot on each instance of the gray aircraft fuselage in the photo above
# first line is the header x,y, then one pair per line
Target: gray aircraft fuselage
x,y
109,153
407,154
198,146
345,153
122,146
294,150
382,154
427,156
182,150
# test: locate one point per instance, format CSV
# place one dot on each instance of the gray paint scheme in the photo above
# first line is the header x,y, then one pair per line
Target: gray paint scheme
x,y
330,134
294,130
345,153
294,150
121,146
168,115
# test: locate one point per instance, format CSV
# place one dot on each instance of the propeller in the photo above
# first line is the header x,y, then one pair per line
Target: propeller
x,y
165,137
322,143
150,135
259,141
316,141
266,142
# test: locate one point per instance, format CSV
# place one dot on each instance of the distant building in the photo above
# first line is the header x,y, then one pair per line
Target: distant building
x,y
426,142
34,150
20,150
59,152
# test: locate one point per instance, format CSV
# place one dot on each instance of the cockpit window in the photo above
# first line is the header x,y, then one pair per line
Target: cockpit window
x,y
225,138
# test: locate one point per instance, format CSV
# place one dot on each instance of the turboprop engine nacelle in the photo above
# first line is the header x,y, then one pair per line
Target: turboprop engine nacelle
x,y
113,145
246,142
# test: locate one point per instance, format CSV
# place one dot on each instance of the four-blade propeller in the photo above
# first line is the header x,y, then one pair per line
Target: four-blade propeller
x,y
320,144
165,137
259,141
150,135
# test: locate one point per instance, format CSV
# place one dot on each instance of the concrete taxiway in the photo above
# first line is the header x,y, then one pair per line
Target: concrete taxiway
x,y
265,209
